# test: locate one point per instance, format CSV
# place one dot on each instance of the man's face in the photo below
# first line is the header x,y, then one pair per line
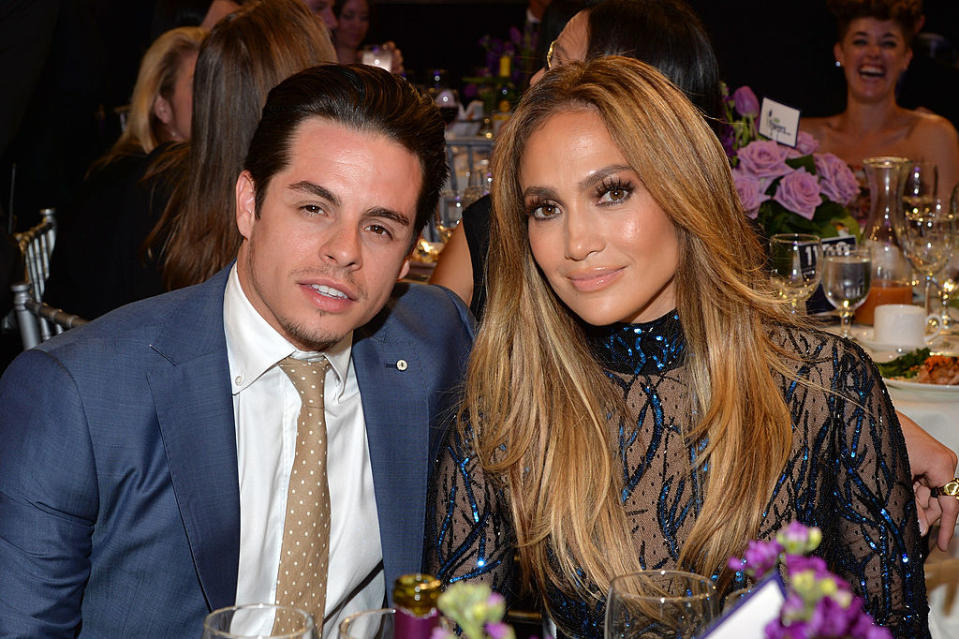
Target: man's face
x,y
333,234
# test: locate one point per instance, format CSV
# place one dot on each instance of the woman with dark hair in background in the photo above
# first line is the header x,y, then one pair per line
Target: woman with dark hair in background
x,y
664,33
247,54
353,19
874,49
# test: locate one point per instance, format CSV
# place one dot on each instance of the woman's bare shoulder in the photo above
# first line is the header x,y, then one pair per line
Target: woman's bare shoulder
x,y
933,128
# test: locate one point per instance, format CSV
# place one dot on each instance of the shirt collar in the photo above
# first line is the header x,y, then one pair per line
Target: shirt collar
x,y
254,347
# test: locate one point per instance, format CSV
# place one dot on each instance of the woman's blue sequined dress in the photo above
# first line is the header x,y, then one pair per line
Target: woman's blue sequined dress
x,y
847,473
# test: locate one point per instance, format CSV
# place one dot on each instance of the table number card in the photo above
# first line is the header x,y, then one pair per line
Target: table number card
x,y
748,618
779,122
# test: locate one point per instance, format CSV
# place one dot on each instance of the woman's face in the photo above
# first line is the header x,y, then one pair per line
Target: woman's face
x,y
354,22
569,46
873,54
606,247
176,112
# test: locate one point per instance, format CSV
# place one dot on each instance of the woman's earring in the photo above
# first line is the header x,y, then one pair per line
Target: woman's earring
x,y
838,64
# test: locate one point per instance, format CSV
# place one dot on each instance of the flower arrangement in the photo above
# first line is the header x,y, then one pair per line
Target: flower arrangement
x,y
787,190
476,609
818,603
519,47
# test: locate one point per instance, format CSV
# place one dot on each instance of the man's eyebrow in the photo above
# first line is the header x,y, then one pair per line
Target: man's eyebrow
x,y
389,214
315,189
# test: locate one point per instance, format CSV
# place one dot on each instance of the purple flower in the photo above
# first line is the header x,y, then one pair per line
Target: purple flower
x,y
764,158
761,557
806,143
799,539
746,102
750,191
836,178
498,630
797,563
831,619
799,192
515,35
865,628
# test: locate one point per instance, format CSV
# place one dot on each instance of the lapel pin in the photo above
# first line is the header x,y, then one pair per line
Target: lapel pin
x,y
401,365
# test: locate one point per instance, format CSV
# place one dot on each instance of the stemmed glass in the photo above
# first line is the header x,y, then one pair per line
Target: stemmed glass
x,y
370,624
926,240
258,621
846,276
656,604
922,183
794,266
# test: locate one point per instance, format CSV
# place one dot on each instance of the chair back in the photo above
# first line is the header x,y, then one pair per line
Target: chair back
x,y
39,321
36,245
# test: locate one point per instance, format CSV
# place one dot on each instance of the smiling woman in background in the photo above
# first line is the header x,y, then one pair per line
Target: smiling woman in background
x,y
874,49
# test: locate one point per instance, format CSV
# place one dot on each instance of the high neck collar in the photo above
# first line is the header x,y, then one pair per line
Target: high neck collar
x,y
646,348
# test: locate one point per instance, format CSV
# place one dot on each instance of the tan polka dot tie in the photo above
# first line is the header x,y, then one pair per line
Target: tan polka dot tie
x,y
304,555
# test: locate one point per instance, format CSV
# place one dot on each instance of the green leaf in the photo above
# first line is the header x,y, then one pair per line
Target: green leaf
x,y
803,162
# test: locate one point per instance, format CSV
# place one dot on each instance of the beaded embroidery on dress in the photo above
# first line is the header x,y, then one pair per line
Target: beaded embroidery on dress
x,y
847,473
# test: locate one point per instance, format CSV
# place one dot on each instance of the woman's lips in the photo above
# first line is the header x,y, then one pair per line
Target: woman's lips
x,y
594,280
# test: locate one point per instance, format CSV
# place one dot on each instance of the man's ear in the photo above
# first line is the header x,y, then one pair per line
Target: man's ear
x,y
404,270
245,204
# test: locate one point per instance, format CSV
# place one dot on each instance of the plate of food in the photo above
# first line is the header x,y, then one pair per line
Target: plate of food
x,y
923,372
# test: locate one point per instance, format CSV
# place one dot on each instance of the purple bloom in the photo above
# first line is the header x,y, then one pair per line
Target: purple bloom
x,y
764,158
797,563
836,178
497,630
440,632
799,192
799,539
831,619
806,143
515,35
746,102
751,194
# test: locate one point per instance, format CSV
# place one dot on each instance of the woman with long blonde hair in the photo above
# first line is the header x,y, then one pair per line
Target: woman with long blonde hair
x,y
637,398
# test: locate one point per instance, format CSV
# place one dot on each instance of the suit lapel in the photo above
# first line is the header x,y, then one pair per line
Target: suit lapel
x,y
191,391
396,411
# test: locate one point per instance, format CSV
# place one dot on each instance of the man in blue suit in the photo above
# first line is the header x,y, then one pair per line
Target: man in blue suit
x,y
145,458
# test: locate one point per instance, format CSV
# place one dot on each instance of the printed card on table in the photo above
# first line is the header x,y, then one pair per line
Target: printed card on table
x,y
748,618
779,122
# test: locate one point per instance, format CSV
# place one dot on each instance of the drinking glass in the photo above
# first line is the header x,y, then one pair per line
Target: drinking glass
x,y
794,266
257,620
448,215
845,281
926,241
371,624
656,604
922,182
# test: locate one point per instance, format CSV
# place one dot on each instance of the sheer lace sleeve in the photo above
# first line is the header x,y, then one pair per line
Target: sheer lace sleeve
x,y
469,532
866,506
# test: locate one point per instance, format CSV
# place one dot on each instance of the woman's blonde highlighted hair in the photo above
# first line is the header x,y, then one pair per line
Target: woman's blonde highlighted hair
x,y
540,404
156,78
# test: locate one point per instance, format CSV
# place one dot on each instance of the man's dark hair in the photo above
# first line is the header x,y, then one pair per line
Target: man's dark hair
x,y
364,98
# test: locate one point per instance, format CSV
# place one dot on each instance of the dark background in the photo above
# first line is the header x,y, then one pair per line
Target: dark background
x,y
90,53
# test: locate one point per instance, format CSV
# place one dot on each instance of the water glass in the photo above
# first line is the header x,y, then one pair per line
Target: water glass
x,y
845,281
794,266
370,624
926,240
660,604
261,621
448,215
922,183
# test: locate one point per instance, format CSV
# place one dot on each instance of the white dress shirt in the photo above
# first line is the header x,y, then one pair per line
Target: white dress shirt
x,y
265,409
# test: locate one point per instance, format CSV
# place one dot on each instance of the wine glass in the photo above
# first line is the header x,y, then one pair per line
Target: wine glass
x,y
794,266
258,621
922,183
449,212
370,624
656,604
845,281
926,241
949,278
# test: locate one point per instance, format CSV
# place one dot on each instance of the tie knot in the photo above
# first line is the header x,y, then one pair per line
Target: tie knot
x,y
307,377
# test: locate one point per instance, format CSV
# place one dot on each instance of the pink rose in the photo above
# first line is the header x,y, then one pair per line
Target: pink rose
x,y
751,192
836,179
799,192
746,102
806,143
764,158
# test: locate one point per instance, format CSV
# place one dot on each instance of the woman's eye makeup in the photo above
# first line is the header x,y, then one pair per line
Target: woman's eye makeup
x,y
541,209
614,190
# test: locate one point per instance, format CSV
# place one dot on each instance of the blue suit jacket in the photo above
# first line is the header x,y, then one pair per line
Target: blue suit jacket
x,y
119,497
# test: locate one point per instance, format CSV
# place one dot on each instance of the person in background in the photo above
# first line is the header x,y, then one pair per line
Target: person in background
x,y
170,14
93,255
148,458
664,408
353,23
246,55
323,9
874,50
